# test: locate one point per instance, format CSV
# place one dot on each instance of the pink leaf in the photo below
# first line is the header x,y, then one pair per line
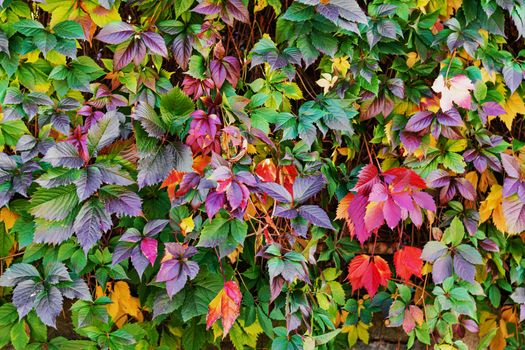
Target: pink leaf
x,y
148,246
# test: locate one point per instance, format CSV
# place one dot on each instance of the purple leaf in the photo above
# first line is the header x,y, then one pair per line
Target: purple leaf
x,y
470,254
315,215
438,178
18,273
449,118
464,269
148,246
419,121
207,8
120,201
442,268
493,109
24,296
306,187
48,304
513,75
154,227
466,188
283,212
115,33
214,202
155,43
181,47
91,221
276,191
433,250
511,165
125,53
514,212
63,154
89,182
237,9
139,261
489,245
113,175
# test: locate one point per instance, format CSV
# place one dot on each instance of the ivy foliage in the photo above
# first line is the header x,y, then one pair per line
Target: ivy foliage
x,y
261,173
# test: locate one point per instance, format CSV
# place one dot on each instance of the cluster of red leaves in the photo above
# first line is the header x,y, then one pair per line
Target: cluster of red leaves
x,y
371,272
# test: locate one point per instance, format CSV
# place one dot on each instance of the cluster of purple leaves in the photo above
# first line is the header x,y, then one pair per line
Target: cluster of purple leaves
x,y
142,247
44,293
303,189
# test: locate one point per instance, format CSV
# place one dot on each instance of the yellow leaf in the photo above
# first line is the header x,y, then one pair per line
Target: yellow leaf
x,y
352,334
492,206
260,5
123,303
412,58
472,177
187,225
8,218
340,65
362,332
513,106
486,76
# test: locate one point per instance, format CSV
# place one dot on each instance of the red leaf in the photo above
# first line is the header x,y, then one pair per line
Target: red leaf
x,y
148,246
266,170
408,262
226,306
368,176
368,272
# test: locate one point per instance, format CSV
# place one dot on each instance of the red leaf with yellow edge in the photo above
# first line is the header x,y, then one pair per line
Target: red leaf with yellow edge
x,y
226,306
368,272
408,262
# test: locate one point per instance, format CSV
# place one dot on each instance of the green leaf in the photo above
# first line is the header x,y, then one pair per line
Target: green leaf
x,y
175,105
8,314
194,336
181,6
224,234
455,233
29,27
19,337
55,203
69,30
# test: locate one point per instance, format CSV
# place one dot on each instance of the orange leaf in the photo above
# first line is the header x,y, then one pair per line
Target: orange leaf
x,y
171,182
368,272
226,305
342,207
408,262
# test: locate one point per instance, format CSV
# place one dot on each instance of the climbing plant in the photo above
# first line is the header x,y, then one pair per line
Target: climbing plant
x,y
261,174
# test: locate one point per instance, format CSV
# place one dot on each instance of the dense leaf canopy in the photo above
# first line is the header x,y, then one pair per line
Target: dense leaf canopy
x,y
261,174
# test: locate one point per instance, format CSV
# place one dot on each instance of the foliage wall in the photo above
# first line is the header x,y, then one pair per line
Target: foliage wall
x,y
261,174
